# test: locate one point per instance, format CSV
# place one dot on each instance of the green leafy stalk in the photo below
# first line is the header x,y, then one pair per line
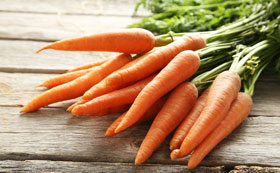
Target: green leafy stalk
x,y
191,15
245,46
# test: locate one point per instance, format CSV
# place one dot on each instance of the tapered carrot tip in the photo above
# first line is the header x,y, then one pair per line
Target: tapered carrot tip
x,y
23,110
109,133
76,112
39,85
69,109
191,164
138,161
175,154
43,48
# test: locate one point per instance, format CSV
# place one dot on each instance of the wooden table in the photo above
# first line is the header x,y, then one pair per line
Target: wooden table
x,y
52,140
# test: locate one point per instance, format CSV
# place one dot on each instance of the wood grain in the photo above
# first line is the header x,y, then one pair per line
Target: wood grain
x,y
18,89
53,134
52,140
96,7
19,56
52,27
254,169
96,167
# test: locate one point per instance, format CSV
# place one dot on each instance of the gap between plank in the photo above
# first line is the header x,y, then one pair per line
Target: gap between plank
x,y
25,156
28,39
31,70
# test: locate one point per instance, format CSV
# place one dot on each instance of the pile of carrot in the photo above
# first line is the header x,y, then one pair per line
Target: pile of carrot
x,y
154,86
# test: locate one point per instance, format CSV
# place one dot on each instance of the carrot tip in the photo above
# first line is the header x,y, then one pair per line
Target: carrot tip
x,y
39,85
109,134
23,110
175,154
38,51
70,108
191,166
137,162
43,48
171,147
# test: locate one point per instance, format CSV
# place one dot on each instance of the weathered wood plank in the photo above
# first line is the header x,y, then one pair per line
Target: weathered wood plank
x,y
19,56
266,98
97,7
18,89
96,167
51,27
254,169
53,134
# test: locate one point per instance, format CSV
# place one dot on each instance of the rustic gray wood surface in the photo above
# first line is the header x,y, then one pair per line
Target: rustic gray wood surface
x,y
52,140
96,167
254,169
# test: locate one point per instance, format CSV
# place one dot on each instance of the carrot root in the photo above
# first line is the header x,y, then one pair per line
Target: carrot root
x,y
177,106
168,78
222,92
130,41
188,122
239,110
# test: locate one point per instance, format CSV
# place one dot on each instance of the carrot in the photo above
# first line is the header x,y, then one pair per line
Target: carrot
x,y
118,97
63,78
78,86
111,110
238,112
177,106
70,108
89,65
92,93
148,64
149,115
222,92
179,69
188,122
130,41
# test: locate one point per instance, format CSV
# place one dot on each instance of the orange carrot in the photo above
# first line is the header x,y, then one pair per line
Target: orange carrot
x,y
222,92
188,122
123,67
177,106
63,78
179,69
111,110
91,93
149,115
149,63
238,112
118,97
70,108
78,86
130,41
89,65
